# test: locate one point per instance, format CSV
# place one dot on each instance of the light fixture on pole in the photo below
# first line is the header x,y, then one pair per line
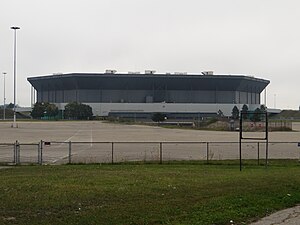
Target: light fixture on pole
x,y
15,69
4,73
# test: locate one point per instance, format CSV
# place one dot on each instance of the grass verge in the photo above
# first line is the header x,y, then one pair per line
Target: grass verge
x,y
146,194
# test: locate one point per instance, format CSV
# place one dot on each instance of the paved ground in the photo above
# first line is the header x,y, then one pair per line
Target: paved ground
x,y
285,217
99,131
91,132
296,126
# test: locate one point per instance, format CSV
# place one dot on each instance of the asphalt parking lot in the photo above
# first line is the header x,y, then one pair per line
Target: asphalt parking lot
x,y
100,131
176,142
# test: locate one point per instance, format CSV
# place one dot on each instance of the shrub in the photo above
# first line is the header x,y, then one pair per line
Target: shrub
x,y
158,117
75,110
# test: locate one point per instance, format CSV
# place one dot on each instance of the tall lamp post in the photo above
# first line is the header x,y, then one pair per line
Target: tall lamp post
x,y
4,95
15,60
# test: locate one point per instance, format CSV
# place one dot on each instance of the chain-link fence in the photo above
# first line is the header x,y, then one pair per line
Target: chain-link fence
x,y
7,153
113,152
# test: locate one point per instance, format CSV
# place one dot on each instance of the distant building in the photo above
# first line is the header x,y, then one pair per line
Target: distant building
x,y
138,95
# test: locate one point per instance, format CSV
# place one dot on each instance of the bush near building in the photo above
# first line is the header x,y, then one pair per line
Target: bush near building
x,y
75,110
158,117
235,114
44,109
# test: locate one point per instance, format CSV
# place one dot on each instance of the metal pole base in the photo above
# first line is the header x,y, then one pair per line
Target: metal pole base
x,y
14,125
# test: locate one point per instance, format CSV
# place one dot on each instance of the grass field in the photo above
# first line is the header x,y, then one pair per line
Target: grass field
x,y
177,193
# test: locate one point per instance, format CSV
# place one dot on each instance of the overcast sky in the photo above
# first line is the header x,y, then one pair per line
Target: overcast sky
x,y
251,37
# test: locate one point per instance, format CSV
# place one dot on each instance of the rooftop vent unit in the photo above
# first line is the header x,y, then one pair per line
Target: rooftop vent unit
x,y
58,73
110,71
180,73
150,71
136,72
207,73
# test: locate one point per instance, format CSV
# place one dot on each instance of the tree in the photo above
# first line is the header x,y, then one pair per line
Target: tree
x,y
257,115
38,110
220,114
51,110
235,113
158,117
245,111
10,106
263,108
85,112
75,110
42,109
71,110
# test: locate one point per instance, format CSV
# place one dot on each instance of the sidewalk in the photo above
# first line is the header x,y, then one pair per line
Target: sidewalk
x,y
289,216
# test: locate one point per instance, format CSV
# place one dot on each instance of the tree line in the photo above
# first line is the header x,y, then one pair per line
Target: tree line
x,y
254,116
79,111
73,110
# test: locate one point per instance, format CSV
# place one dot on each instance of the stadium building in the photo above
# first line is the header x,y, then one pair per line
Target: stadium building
x,y
178,95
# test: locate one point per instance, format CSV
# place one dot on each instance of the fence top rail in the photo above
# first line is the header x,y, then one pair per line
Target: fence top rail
x,y
5,144
18,143
168,142
133,142
28,143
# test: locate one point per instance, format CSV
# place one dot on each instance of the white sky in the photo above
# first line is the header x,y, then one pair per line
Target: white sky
x,y
251,37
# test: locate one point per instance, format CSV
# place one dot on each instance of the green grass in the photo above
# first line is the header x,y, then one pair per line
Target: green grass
x,y
179,193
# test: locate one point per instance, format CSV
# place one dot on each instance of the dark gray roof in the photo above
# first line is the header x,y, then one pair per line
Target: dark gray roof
x,y
148,82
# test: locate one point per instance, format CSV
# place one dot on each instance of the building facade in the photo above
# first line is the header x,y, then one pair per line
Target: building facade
x,y
139,95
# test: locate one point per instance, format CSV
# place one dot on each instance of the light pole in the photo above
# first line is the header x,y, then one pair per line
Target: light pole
x,y
15,60
4,95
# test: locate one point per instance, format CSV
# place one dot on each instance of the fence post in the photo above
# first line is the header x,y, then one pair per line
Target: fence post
x,y
38,151
160,153
17,152
267,153
257,153
112,153
267,140
207,152
41,154
70,152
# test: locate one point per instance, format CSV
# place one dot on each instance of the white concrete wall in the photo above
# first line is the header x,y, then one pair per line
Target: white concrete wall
x,y
103,109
